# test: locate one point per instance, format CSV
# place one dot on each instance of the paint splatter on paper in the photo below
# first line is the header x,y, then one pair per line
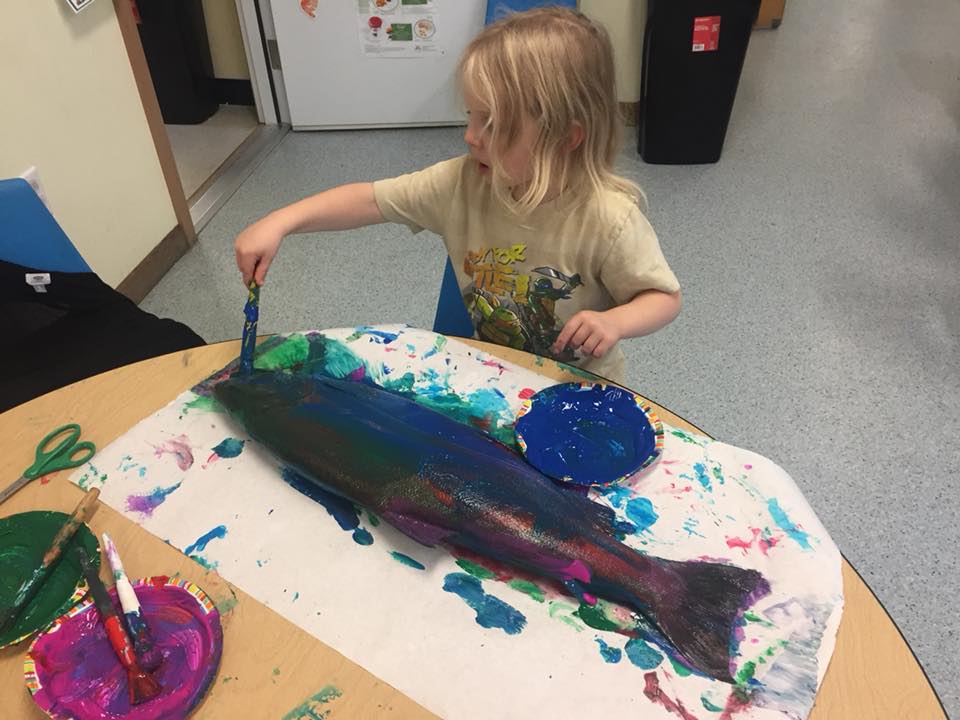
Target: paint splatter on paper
x,y
196,548
492,612
179,448
147,503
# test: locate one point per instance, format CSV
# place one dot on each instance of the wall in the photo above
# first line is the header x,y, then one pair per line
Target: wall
x,y
226,42
75,113
624,20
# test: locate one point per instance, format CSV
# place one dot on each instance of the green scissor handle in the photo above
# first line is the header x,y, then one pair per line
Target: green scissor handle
x,y
69,453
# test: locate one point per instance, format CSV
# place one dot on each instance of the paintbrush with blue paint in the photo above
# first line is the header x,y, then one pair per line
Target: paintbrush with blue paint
x,y
251,313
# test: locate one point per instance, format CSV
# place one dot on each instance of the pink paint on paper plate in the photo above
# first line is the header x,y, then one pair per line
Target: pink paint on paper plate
x,y
72,671
179,448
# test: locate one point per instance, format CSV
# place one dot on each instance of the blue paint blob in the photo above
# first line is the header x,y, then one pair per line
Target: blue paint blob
x,y
610,654
220,531
587,434
642,654
362,536
229,448
641,513
491,612
342,510
406,560
702,476
787,525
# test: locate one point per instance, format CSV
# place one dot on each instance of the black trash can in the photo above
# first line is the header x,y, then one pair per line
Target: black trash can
x,y
693,53
174,37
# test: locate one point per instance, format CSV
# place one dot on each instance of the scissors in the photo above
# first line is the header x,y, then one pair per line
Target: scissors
x,y
69,453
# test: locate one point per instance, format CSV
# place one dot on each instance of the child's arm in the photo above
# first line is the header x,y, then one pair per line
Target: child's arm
x,y
596,332
340,208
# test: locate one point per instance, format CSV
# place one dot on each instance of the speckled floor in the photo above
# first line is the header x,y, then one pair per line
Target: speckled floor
x,y
820,261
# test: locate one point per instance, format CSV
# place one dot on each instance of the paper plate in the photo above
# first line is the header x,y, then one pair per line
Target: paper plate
x,y
72,671
588,433
24,538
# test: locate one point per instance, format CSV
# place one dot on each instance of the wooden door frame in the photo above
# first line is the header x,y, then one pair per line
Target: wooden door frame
x,y
183,236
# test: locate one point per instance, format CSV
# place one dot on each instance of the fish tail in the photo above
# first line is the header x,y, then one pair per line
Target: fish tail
x,y
700,618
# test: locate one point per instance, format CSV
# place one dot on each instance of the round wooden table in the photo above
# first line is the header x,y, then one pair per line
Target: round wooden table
x,y
272,668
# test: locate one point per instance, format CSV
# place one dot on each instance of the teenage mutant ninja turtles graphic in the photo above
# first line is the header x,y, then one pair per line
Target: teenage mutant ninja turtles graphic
x,y
512,308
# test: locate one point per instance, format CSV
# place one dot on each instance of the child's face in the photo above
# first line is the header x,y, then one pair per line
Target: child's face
x,y
516,160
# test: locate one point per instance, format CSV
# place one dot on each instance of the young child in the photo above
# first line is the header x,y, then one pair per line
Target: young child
x,y
552,251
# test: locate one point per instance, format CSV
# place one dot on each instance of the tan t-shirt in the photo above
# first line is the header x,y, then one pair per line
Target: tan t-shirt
x,y
522,279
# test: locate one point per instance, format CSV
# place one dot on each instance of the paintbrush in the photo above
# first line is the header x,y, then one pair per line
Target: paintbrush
x,y
251,313
142,686
30,586
148,655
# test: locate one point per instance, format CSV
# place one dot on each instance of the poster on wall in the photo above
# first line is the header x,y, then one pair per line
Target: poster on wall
x,y
78,5
399,28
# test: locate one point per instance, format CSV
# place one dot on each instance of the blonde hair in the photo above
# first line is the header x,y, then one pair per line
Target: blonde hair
x,y
555,66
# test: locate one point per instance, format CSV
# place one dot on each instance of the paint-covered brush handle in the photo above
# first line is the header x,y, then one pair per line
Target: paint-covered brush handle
x,y
30,586
251,313
148,655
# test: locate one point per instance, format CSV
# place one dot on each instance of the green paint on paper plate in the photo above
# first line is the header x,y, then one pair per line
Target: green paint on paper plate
x,y
406,560
595,617
24,538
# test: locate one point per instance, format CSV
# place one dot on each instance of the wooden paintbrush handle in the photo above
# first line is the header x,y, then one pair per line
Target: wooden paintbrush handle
x,y
79,516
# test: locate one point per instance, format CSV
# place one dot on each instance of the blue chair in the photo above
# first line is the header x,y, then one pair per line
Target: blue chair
x,y
452,317
30,236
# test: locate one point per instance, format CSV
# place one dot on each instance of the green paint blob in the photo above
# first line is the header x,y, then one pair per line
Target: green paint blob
x,y
333,358
374,520
745,674
310,708
707,705
528,588
403,384
276,671
686,438
679,669
406,560
565,613
226,605
595,617
751,616
202,403
290,352
24,539
478,571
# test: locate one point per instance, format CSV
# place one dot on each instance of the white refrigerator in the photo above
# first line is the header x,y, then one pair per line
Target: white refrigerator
x,y
373,63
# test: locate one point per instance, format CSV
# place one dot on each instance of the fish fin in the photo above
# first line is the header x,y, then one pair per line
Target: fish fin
x,y
423,532
699,622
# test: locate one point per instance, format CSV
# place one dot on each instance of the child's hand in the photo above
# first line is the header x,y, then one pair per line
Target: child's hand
x,y
255,248
592,332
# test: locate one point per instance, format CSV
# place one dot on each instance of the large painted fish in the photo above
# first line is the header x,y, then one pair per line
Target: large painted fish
x,y
442,482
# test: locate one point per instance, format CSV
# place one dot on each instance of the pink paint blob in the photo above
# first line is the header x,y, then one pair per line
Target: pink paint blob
x,y
179,448
72,671
744,545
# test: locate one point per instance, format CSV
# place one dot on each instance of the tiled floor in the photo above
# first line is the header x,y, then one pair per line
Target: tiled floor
x,y
200,149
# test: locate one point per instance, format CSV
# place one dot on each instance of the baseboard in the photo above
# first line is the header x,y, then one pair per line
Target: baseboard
x,y
145,276
628,110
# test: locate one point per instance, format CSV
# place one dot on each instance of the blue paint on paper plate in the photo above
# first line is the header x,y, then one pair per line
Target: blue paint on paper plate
x,y
587,433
